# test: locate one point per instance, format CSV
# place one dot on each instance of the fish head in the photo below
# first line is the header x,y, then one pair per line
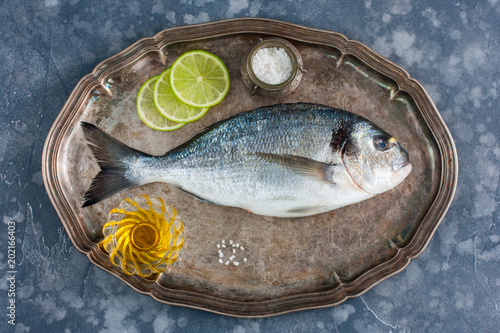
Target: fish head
x,y
374,159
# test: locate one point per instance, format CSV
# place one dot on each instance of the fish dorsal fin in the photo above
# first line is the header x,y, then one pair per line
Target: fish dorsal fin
x,y
302,165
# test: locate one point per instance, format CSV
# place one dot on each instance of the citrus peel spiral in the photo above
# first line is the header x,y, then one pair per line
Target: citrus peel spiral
x,y
143,236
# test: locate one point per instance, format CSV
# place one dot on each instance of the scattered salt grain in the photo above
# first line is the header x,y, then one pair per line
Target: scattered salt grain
x,y
242,248
232,258
272,65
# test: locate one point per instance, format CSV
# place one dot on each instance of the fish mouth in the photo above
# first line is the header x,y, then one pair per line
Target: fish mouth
x,y
406,160
397,167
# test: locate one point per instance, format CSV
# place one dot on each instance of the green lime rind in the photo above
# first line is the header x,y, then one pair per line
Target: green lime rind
x,y
199,79
148,112
170,106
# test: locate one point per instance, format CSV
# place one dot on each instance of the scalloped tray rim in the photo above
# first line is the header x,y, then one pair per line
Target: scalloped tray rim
x,y
256,309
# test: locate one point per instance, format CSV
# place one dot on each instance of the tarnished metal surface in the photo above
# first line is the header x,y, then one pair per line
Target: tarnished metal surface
x,y
291,264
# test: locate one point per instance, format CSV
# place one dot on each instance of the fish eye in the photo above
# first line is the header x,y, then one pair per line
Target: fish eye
x,y
381,144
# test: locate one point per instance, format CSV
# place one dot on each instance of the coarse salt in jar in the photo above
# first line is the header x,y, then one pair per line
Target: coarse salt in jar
x,y
272,66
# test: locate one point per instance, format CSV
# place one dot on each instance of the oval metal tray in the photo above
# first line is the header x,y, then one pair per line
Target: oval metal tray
x,y
292,264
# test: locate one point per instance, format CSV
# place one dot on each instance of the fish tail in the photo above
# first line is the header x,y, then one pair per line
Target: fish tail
x,y
114,159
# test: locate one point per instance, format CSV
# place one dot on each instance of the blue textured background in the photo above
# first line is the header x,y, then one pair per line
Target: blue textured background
x,y
451,47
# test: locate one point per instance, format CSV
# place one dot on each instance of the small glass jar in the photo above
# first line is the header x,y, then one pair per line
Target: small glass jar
x,y
143,236
256,85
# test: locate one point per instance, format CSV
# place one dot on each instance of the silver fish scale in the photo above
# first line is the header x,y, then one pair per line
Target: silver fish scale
x,y
285,160
224,164
266,130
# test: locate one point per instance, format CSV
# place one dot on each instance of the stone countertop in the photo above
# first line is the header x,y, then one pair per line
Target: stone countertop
x,y
451,47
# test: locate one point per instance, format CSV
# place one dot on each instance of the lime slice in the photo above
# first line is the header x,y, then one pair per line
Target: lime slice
x,y
147,109
170,106
199,79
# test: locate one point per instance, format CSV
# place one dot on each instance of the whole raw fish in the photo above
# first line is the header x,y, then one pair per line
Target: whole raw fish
x,y
285,160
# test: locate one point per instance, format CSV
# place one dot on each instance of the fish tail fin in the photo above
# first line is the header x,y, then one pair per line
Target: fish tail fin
x,y
114,160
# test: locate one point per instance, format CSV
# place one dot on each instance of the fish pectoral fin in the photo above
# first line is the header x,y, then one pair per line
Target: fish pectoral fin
x,y
302,165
